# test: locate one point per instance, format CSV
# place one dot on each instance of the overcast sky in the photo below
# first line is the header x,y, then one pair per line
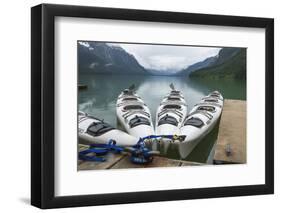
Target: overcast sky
x,y
165,57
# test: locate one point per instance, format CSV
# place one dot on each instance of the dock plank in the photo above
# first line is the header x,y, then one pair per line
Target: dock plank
x,y
232,133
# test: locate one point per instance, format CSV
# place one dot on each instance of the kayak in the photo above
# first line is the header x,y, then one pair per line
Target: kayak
x,y
214,97
200,121
95,131
133,115
170,113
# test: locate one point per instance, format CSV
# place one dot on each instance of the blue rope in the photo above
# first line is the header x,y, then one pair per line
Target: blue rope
x,y
140,153
99,149
83,155
111,146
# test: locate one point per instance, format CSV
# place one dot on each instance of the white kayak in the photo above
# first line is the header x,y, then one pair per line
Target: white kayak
x,y
95,131
200,121
133,114
170,113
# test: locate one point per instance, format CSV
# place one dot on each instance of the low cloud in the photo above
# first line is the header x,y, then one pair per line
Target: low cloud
x,y
168,57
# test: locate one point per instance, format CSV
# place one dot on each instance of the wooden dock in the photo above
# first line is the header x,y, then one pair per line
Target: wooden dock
x,y
231,142
122,161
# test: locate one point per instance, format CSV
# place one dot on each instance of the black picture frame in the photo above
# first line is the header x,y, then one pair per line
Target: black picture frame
x,y
43,117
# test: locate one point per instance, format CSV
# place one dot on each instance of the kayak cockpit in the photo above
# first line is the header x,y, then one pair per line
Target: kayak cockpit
x,y
196,122
172,106
98,128
139,120
130,99
133,107
213,100
207,108
167,119
170,98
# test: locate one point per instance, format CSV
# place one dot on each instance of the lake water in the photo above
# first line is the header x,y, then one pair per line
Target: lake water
x,y
100,97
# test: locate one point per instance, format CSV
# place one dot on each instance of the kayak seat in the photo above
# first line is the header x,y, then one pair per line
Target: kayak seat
x,y
196,122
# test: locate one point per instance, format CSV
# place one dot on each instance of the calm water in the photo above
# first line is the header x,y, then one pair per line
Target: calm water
x,y
100,97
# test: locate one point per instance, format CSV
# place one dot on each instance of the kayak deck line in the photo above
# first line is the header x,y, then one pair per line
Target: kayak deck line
x,y
231,141
131,103
126,115
170,110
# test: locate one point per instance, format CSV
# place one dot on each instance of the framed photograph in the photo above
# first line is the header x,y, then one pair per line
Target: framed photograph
x,y
140,106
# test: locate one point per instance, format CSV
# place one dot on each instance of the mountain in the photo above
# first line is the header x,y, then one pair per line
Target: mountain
x,y
231,63
199,65
102,58
225,54
105,58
